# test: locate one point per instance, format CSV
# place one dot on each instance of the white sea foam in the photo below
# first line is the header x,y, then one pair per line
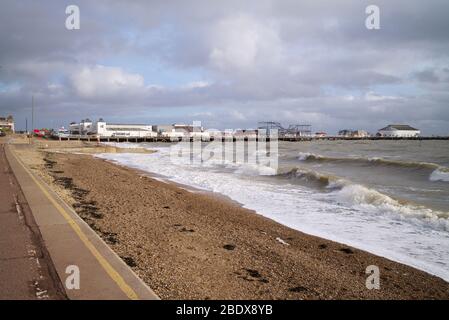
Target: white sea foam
x,y
124,145
303,156
351,214
373,201
439,175
254,169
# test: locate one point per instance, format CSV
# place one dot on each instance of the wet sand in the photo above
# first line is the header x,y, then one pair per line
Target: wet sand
x,y
187,245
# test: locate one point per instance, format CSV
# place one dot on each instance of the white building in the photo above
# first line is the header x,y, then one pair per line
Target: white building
x,y
7,123
179,131
103,129
116,130
399,131
81,128
168,131
213,134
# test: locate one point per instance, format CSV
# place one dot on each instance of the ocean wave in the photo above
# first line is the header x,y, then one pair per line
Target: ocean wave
x,y
361,197
255,169
305,156
366,199
440,175
310,176
437,172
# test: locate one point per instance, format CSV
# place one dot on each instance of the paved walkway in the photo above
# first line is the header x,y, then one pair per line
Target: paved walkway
x,y
26,271
69,241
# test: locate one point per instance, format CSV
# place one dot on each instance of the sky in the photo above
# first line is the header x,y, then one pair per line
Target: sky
x,y
228,64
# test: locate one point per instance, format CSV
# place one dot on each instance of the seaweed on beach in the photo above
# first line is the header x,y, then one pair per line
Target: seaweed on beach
x,y
109,237
347,250
229,247
86,210
297,289
129,261
49,164
253,275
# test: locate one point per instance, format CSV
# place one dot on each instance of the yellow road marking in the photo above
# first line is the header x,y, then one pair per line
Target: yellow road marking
x,y
115,276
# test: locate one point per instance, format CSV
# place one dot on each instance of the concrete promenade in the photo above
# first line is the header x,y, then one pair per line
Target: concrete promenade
x,y
26,270
43,225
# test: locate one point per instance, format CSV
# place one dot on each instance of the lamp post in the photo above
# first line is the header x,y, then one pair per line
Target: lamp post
x,y
32,118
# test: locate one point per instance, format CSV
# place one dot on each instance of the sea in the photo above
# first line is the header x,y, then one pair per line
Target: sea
x,y
390,198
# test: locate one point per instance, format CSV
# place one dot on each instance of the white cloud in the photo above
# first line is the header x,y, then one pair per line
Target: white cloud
x,y
196,84
106,81
237,115
372,96
242,42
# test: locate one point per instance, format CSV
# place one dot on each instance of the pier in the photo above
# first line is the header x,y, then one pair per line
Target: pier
x,y
223,139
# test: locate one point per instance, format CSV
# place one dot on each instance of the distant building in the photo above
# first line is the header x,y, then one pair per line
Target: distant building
x,y
399,131
345,133
246,133
7,124
61,133
160,129
360,134
353,133
81,128
102,129
178,130
214,133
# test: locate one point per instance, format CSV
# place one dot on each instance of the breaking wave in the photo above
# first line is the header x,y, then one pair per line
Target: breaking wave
x,y
310,176
437,172
372,200
440,175
358,196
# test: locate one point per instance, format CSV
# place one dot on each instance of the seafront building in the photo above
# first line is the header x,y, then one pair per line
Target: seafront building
x,y
81,128
399,131
7,124
87,129
179,130
102,129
